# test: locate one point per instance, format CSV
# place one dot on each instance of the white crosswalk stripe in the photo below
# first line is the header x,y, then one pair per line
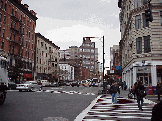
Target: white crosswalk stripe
x,y
103,109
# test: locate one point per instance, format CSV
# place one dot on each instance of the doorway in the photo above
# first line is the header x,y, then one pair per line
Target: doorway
x,y
144,80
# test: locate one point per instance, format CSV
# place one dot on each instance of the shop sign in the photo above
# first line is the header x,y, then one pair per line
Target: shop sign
x,y
27,75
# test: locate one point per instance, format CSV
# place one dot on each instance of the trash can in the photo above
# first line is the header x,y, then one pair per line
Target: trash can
x,y
150,90
154,90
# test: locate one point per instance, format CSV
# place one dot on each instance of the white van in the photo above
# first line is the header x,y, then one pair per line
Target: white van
x,y
45,83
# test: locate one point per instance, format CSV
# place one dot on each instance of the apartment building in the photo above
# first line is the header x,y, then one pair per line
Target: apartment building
x,y
47,59
89,55
17,38
71,57
141,42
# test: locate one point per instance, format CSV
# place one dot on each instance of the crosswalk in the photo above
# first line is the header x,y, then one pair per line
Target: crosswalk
x,y
103,109
60,91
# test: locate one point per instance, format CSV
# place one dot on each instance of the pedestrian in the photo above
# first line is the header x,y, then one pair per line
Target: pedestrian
x,y
139,90
114,89
156,112
133,90
158,90
124,85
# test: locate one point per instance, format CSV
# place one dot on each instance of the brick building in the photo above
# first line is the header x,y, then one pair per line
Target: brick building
x,y
17,38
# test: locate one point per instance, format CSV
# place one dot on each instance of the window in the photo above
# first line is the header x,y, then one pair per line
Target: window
x,y
4,19
5,7
147,47
0,17
12,12
138,22
139,45
136,3
3,32
11,35
14,24
15,13
143,2
2,45
145,23
1,5
161,17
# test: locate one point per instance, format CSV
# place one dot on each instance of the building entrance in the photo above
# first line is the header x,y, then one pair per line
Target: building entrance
x,y
144,80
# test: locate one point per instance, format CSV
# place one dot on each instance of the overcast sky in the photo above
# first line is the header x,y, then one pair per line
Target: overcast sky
x,y
66,22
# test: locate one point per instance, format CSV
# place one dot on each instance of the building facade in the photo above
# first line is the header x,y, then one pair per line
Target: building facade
x,y
141,42
66,71
89,55
17,30
47,59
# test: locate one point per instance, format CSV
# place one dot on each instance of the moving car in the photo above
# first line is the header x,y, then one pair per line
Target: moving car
x,y
11,85
29,86
75,84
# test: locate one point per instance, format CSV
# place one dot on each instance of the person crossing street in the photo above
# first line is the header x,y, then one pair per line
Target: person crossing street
x,y
114,89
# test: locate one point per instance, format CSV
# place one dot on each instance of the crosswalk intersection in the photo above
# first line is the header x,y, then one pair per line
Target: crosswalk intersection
x,y
125,110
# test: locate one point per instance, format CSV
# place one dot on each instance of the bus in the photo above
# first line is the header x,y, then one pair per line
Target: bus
x,y
3,79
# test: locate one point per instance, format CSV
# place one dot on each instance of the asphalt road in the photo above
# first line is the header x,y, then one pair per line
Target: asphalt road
x,y
65,102
36,106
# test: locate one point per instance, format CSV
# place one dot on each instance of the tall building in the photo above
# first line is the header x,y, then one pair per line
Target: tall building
x,y
46,59
141,42
17,30
89,55
114,57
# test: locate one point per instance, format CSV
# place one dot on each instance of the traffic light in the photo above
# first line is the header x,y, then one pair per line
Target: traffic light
x,y
148,15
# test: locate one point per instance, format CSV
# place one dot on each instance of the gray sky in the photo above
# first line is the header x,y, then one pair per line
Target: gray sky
x,y
66,22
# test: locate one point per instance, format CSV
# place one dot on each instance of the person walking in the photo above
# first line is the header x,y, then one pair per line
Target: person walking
x,y
124,85
133,90
158,90
114,89
139,90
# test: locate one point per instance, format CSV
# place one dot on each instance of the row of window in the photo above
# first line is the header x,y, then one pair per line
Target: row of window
x,y
147,47
14,13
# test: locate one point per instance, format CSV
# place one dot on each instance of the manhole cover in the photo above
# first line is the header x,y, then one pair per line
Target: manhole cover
x,y
55,119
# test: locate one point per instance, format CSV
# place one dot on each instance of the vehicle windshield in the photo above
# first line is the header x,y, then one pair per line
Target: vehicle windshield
x,y
27,83
83,81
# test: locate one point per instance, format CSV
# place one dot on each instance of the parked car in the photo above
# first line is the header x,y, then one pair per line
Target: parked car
x,y
75,84
54,84
11,85
45,83
29,86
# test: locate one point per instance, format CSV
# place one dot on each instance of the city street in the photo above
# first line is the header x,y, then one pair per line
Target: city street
x,y
72,103
36,106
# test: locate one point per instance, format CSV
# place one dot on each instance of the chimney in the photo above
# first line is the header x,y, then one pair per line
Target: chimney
x,y
26,6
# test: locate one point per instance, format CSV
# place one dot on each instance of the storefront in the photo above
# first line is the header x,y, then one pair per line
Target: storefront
x,y
149,73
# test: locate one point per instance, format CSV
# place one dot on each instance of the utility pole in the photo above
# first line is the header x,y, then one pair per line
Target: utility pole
x,y
103,91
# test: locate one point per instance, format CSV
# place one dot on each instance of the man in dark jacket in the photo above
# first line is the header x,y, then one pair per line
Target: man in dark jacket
x,y
114,89
158,90
138,90
156,112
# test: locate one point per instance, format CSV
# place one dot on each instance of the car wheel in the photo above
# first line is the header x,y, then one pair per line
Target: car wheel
x,y
10,88
20,90
2,98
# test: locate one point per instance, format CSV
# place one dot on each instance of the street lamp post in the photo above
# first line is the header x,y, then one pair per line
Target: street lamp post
x,y
103,91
